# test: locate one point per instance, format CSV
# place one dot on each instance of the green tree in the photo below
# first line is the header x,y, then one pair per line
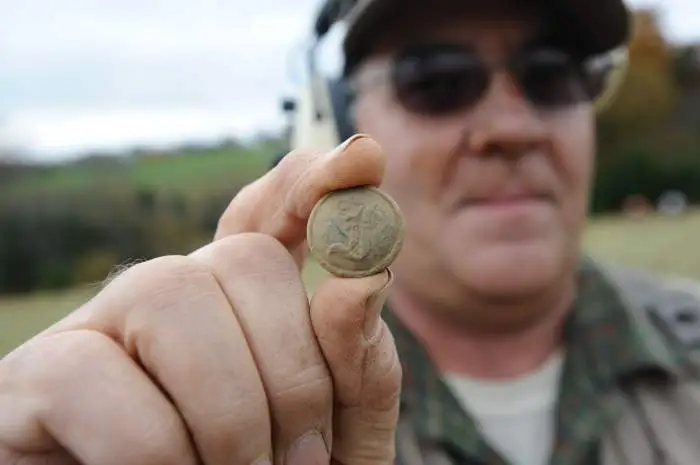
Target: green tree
x,y
649,92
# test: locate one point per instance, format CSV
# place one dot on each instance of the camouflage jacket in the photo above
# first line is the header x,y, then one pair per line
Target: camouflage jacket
x,y
629,392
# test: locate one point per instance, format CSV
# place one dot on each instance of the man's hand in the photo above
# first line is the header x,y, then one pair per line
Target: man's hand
x,y
217,357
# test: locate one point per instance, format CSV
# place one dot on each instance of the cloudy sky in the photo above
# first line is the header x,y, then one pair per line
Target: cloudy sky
x,y
79,75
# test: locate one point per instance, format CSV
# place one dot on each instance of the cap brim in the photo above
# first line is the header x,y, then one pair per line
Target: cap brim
x,y
594,26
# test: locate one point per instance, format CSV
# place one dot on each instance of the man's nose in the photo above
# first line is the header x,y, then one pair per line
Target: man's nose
x,y
505,124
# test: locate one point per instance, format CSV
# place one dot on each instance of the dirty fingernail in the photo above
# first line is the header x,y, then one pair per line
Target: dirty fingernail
x,y
373,312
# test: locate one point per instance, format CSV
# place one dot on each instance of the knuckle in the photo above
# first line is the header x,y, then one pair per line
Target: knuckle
x,y
231,429
310,389
172,275
149,294
171,265
255,253
157,444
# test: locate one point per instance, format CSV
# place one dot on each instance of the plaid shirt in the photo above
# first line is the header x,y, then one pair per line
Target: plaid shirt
x,y
604,343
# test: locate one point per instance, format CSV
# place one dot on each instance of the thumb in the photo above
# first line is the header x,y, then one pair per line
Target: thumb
x,y
360,352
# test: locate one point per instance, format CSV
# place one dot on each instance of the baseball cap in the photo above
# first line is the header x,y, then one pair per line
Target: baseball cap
x,y
592,27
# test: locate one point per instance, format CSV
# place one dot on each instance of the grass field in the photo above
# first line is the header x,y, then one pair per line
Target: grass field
x,y
662,244
186,170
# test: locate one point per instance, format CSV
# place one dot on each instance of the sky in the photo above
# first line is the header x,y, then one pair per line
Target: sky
x,y
105,75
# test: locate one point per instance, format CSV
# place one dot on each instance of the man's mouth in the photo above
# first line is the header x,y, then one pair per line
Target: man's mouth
x,y
513,199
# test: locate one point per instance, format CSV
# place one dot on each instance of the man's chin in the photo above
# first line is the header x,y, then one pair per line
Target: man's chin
x,y
511,271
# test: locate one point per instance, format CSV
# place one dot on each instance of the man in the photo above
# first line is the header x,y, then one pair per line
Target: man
x,y
514,348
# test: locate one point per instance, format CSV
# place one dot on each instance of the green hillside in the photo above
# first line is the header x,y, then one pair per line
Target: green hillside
x,y
188,170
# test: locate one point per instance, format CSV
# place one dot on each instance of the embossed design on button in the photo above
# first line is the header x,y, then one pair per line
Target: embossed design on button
x,y
355,232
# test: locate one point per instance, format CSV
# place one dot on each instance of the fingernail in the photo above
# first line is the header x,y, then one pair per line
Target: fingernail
x,y
375,304
347,143
309,449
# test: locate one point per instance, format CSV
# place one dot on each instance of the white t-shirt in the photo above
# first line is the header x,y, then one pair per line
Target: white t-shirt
x,y
515,416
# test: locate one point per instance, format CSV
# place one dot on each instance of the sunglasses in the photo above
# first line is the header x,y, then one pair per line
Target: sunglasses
x,y
442,79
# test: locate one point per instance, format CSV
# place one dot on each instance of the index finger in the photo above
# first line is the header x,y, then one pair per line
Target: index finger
x,y
280,202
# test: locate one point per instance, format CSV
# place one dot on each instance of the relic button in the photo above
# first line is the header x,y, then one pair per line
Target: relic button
x,y
355,232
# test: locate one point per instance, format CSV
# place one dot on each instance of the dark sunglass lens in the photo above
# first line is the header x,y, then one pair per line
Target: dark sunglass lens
x,y
551,78
439,82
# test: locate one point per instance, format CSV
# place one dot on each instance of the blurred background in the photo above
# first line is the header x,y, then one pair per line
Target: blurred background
x,y
126,128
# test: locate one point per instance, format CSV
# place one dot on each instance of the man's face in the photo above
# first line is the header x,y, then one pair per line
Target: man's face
x,y
494,191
